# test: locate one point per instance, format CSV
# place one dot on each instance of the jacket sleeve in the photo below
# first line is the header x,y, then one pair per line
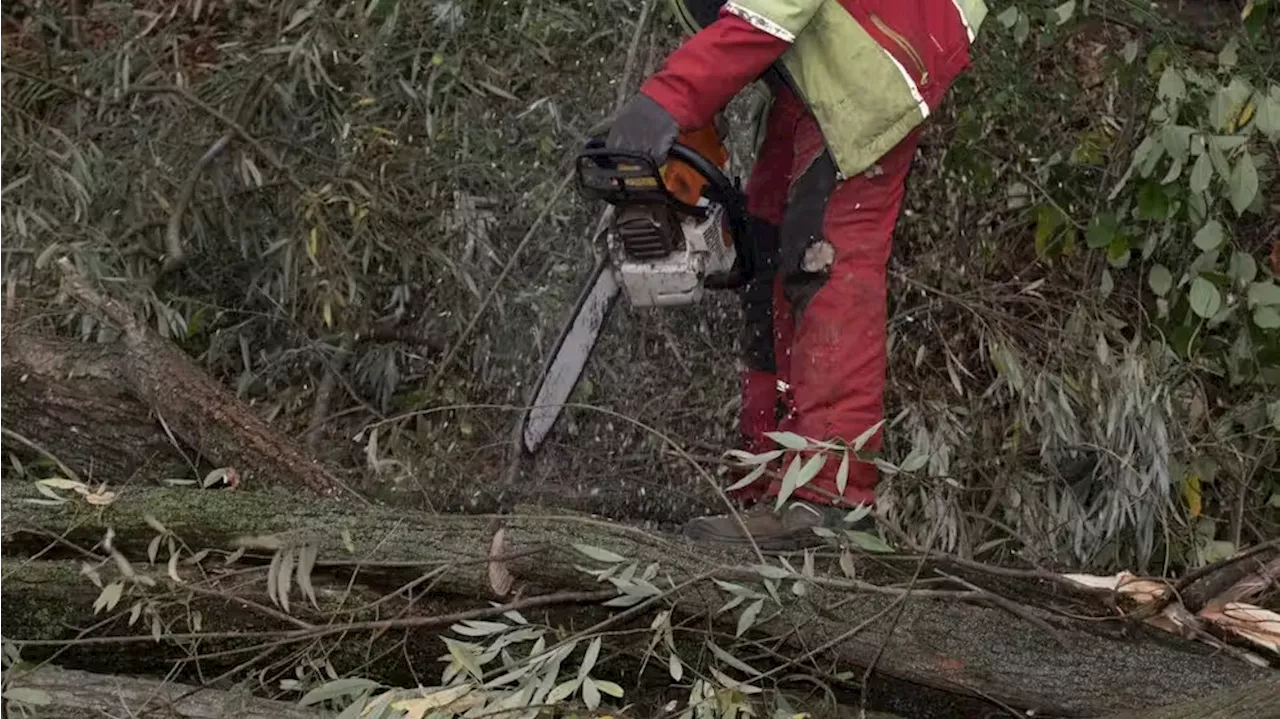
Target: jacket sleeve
x,y
703,74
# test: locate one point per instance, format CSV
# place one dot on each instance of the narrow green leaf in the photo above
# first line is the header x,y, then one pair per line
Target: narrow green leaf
x,y
747,619
811,469
598,554
589,659
752,476
732,661
609,688
842,474
336,689
28,695
789,481
563,691
869,542
790,440
750,459
590,694
861,440
109,596
475,628
768,571
857,514
916,459
464,657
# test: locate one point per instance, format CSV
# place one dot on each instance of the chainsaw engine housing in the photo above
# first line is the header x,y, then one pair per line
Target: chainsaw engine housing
x,y
676,229
662,257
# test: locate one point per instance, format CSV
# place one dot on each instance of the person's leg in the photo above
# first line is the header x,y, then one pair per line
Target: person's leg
x,y
767,189
834,247
834,279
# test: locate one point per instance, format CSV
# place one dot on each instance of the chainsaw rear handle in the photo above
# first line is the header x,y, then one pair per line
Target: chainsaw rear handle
x,y
609,175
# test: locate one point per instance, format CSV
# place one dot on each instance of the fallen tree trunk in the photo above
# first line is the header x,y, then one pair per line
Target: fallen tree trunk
x,y
69,694
939,639
1256,700
198,410
72,694
45,599
68,395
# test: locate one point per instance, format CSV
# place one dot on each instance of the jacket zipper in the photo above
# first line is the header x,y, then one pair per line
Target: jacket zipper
x,y
906,46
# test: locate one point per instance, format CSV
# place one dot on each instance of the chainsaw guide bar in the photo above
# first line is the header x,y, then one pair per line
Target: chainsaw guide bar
x,y
668,233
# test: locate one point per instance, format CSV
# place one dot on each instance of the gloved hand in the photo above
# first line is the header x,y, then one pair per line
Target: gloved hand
x,y
644,126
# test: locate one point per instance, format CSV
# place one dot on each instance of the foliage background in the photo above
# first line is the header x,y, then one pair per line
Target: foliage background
x,y
1084,365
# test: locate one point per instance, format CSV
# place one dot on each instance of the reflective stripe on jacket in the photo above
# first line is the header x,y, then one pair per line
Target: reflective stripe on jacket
x,y
870,71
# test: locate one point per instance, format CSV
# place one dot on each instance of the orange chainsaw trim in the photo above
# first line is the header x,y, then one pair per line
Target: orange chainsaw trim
x,y
681,180
685,183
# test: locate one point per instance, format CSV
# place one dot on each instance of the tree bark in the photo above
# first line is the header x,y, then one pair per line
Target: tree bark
x,y
75,694
1255,700
199,411
936,642
67,397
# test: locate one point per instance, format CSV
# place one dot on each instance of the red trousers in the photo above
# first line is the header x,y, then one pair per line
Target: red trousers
x,y
814,343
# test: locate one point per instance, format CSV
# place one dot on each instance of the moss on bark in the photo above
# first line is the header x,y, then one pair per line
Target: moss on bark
x,y
949,645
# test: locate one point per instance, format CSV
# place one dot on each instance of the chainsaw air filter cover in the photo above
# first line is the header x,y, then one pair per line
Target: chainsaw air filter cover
x,y
662,257
647,232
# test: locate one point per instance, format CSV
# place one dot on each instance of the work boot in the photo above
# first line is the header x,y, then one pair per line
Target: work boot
x,y
785,530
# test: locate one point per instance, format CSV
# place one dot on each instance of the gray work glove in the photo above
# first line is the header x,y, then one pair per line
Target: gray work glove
x,y
643,126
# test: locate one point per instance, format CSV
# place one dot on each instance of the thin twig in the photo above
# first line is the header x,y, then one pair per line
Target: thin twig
x,y
175,251
1010,606
625,80
544,600
256,606
32,444
893,626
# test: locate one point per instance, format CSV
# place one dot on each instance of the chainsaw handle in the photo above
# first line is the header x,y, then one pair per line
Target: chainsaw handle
x,y
615,191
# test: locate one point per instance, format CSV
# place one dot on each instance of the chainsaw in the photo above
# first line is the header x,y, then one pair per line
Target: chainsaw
x,y
668,234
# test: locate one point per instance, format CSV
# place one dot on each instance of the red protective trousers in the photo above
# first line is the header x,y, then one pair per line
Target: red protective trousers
x,y
828,318
823,302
